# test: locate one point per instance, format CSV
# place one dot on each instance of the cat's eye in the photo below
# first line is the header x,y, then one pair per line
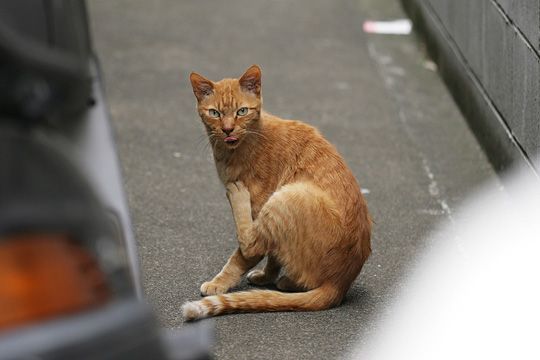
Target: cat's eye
x,y
242,111
214,113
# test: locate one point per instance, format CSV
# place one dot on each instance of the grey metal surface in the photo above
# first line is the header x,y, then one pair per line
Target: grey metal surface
x,y
95,150
121,330
89,144
389,115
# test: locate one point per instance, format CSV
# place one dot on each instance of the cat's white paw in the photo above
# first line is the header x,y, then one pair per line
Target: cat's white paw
x,y
213,288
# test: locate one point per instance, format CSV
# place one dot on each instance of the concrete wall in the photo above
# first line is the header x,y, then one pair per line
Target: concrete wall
x,y
498,44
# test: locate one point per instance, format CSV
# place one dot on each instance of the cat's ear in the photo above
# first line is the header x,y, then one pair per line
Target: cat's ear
x,y
251,80
202,87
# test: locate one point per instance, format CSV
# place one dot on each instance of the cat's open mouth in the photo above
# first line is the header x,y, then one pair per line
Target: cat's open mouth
x,y
231,140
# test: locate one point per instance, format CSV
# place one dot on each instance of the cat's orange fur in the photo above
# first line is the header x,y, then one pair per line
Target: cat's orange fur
x,y
293,199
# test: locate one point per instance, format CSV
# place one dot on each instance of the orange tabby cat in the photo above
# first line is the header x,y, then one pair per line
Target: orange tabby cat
x,y
293,199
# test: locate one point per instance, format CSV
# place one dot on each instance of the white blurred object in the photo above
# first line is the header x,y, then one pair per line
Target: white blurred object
x,y
476,295
394,27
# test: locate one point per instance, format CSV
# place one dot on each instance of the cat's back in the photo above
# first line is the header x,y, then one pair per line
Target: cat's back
x,y
293,133
312,159
310,154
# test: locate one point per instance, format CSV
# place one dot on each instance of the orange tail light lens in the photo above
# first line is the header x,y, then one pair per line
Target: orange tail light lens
x,y
43,276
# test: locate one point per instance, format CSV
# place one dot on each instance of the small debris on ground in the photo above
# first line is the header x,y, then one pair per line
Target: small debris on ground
x,y
393,27
430,65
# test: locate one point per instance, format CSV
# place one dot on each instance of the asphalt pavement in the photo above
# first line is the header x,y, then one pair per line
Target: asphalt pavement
x,y
376,97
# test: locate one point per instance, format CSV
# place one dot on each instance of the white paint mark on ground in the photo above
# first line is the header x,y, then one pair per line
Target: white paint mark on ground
x,y
432,212
433,186
396,70
384,61
385,65
365,191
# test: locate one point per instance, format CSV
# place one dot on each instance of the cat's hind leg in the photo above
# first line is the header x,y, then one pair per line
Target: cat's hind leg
x,y
305,233
286,284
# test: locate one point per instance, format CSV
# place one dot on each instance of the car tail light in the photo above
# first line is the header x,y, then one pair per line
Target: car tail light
x,y
46,275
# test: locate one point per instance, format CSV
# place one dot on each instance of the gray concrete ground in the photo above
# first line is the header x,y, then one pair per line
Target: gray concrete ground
x,y
371,95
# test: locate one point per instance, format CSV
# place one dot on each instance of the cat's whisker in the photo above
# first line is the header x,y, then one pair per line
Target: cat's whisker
x,y
257,134
212,142
202,141
205,147
200,146
254,131
214,145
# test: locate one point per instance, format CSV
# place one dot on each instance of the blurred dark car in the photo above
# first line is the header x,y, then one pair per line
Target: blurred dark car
x,y
69,274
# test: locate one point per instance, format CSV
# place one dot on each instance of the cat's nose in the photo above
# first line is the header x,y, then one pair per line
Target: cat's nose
x,y
227,130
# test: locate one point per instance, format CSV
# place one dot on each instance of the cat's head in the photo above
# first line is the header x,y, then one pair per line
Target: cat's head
x,y
229,108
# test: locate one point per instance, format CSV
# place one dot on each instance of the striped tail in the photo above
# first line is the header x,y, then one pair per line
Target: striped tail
x,y
320,298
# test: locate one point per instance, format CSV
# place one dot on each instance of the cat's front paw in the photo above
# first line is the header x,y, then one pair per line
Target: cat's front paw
x,y
213,288
238,193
